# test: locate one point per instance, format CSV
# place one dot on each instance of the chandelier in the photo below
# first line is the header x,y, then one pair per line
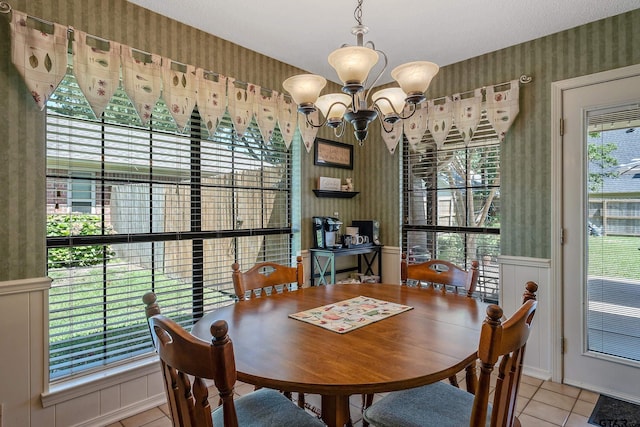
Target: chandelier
x,y
356,105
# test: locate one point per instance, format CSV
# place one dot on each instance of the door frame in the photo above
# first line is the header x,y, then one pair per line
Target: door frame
x,y
557,315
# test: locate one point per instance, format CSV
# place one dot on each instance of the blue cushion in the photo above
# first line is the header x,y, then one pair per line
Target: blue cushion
x,y
266,407
437,404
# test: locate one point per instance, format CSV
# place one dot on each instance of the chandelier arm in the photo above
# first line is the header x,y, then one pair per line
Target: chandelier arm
x,y
382,122
333,105
339,131
310,123
384,68
412,107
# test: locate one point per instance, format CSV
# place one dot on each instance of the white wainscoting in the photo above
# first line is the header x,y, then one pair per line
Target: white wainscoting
x,y
515,272
23,308
24,392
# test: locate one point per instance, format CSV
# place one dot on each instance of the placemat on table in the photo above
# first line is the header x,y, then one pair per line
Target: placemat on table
x,y
351,314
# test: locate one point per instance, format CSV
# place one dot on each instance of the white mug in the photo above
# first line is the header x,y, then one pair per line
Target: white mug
x,y
362,239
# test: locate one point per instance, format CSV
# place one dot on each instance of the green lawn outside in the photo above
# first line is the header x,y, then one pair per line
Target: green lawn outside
x,y
614,256
80,289
113,319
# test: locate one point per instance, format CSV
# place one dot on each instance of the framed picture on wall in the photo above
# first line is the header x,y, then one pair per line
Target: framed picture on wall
x,y
332,153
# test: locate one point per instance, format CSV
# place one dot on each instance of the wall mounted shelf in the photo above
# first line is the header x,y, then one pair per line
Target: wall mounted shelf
x,y
336,194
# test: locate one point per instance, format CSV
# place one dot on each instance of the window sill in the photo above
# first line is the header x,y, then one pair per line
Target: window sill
x,y
82,385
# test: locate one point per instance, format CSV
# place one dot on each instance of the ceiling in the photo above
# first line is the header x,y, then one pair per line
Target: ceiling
x,y
302,33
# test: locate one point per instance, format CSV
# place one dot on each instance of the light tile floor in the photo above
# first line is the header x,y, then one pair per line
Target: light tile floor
x,y
540,404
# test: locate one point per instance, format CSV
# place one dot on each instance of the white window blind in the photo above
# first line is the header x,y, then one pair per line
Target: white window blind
x,y
451,203
612,308
167,212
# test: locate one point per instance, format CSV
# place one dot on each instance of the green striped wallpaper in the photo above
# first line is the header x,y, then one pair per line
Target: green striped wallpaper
x,y
526,161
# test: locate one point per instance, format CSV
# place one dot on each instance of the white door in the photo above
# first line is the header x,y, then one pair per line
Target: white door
x,y
601,224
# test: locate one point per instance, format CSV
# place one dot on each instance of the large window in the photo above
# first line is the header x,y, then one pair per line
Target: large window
x,y
451,205
133,209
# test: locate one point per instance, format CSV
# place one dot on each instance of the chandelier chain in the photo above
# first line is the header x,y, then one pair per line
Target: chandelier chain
x,y
358,12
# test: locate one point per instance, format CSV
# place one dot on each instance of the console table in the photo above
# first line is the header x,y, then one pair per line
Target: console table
x,y
323,262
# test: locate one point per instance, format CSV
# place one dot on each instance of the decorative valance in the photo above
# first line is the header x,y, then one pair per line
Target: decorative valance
x,y
142,81
40,57
498,104
39,52
97,71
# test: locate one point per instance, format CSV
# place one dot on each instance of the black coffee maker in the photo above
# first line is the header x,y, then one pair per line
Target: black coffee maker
x,y
325,232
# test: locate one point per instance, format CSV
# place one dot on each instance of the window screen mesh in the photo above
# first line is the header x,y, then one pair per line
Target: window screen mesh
x,y
451,203
133,209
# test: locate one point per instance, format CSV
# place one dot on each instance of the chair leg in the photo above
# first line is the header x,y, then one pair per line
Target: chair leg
x,y
367,400
454,381
471,378
301,400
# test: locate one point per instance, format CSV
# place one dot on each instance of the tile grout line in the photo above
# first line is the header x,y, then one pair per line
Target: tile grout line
x,y
575,402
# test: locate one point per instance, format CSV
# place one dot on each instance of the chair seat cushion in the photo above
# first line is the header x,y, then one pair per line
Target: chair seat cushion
x,y
437,404
266,407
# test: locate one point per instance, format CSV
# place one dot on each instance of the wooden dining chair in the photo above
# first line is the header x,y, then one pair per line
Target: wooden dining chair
x,y
266,277
443,405
441,272
446,274
188,361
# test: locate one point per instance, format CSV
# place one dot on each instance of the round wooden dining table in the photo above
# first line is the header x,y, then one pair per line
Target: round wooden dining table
x,y
434,340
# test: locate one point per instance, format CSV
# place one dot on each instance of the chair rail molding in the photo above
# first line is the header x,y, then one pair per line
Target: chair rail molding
x,y
25,285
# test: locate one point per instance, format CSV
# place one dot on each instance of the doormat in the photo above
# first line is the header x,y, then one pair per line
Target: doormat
x,y
611,412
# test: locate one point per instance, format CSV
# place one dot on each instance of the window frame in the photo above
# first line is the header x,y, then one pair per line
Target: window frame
x,y
196,234
430,230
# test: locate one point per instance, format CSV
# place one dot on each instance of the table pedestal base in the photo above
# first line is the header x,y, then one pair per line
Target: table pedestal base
x,y
335,410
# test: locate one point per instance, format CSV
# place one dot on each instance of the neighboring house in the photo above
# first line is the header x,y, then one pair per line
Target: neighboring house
x,y
615,209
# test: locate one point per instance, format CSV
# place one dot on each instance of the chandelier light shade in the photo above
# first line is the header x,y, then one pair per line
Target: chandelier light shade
x,y
414,78
354,64
305,89
390,102
333,106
